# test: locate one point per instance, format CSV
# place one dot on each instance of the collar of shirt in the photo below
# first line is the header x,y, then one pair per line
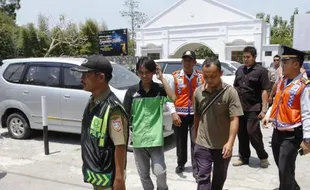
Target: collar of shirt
x,y
101,98
293,81
154,87
255,66
182,73
216,90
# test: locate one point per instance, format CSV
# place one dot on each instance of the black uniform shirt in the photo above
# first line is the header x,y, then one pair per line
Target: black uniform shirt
x,y
249,83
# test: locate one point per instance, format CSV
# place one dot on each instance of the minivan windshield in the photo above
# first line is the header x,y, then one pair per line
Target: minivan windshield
x,y
123,78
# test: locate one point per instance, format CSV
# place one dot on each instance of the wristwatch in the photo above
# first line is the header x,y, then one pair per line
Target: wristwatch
x,y
307,140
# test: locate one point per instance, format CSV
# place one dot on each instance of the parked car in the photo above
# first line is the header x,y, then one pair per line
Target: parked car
x,y
306,66
24,81
233,65
168,66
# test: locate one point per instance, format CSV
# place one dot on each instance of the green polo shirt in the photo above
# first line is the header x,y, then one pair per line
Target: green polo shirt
x,y
146,111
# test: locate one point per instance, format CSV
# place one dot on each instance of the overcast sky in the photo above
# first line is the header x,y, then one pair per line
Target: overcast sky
x,y
108,10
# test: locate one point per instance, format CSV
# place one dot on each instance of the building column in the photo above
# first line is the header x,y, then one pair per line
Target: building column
x,y
258,45
165,44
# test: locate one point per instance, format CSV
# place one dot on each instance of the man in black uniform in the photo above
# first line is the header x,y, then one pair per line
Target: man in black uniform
x,y
104,133
252,83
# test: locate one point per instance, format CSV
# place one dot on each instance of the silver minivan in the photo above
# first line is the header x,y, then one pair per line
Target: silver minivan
x,y
24,81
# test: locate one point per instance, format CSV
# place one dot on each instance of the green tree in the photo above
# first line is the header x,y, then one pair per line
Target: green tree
x,y
281,30
204,52
90,30
43,34
10,7
65,38
7,28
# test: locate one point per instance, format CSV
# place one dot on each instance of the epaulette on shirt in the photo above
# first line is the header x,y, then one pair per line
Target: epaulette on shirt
x,y
305,80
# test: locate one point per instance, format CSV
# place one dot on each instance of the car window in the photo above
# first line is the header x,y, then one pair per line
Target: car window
x,y
162,65
43,76
228,67
123,78
14,72
72,79
236,64
306,65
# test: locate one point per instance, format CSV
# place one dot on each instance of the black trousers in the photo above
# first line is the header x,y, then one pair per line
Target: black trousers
x,y
180,134
285,147
249,131
205,159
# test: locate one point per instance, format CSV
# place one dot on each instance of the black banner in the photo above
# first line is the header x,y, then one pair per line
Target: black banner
x,y
113,42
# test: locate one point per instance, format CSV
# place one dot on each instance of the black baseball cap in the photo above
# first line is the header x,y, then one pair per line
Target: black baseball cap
x,y
190,54
289,53
95,63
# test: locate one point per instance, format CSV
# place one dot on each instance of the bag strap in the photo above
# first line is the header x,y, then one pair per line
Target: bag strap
x,y
215,98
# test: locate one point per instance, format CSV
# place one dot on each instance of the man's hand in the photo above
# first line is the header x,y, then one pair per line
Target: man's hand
x,y
261,115
176,120
270,99
227,150
305,147
265,122
119,184
159,74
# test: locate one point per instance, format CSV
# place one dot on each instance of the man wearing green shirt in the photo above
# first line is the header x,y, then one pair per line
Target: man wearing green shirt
x,y
144,102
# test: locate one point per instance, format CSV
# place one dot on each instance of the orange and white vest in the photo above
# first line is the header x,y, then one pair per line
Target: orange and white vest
x,y
286,109
184,89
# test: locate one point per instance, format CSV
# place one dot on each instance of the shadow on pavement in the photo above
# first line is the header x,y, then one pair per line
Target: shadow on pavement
x,y
169,143
69,138
55,137
45,179
58,137
254,162
2,174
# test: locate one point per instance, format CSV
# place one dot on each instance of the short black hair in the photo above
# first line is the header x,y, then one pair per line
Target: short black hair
x,y
147,62
212,61
277,56
251,50
108,76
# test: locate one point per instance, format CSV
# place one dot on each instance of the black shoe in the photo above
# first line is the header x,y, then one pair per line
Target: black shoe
x,y
196,177
179,169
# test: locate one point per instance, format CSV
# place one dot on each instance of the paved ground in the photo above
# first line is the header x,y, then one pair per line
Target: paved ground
x,y
24,166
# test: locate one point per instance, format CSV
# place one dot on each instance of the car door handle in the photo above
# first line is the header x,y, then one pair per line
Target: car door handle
x,y
26,92
66,96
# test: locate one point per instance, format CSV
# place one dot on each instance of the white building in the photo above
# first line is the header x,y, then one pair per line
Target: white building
x,y
189,24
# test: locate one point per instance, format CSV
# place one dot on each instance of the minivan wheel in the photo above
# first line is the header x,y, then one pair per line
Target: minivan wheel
x,y
18,126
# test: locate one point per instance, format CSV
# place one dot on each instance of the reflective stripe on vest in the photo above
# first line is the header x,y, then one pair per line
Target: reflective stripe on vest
x,y
286,111
98,127
104,126
98,179
183,104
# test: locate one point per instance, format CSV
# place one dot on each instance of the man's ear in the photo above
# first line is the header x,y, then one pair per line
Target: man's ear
x,y
222,72
102,77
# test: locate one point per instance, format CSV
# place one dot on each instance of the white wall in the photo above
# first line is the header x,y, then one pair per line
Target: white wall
x,y
189,23
214,36
275,49
301,39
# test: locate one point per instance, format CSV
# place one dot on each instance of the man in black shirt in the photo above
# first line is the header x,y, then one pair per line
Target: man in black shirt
x,y
252,83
